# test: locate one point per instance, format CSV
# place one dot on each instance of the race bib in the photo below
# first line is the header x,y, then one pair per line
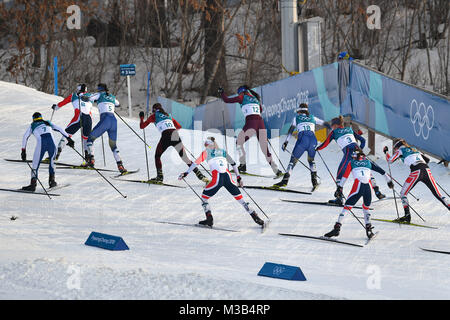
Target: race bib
x,y
165,125
251,108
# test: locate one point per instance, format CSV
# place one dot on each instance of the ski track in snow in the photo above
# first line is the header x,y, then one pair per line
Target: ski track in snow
x,y
41,249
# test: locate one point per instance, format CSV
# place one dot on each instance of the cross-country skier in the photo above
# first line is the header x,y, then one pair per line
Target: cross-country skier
x,y
361,168
168,127
82,117
218,160
305,124
254,125
346,138
420,171
106,104
42,130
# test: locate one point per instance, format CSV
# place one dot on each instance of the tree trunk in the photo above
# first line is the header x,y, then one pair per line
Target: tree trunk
x,y
214,63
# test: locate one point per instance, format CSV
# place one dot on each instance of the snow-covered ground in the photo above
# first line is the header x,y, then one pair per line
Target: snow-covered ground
x,y
43,256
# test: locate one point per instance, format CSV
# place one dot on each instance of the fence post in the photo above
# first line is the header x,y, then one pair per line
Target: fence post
x,y
371,142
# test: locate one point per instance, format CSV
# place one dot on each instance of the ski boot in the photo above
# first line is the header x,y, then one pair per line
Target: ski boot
x,y
314,180
257,219
121,167
159,176
378,193
339,197
32,186
406,218
51,181
279,173
284,182
369,232
58,153
242,168
90,161
208,221
200,176
335,231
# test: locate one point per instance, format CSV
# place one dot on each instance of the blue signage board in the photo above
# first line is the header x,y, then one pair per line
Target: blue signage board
x,y
127,69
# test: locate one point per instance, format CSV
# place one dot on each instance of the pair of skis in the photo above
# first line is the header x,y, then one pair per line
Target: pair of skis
x,y
49,193
263,228
323,238
62,165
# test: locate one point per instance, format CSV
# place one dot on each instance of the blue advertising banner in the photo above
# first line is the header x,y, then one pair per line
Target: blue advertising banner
x,y
319,88
399,110
383,104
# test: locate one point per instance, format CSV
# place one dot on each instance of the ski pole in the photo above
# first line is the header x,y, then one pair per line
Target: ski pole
x,y
393,179
332,177
100,174
337,185
270,144
225,134
53,112
393,192
132,129
401,186
442,188
255,203
81,123
298,160
143,130
200,163
412,209
146,156
35,175
193,190
103,149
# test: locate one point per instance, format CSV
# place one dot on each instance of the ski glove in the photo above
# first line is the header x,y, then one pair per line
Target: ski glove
x,y
84,98
24,155
182,175
141,115
385,149
220,90
240,182
284,146
70,142
390,185
54,107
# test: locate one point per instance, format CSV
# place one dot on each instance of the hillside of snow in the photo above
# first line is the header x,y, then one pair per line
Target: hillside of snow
x,y
43,256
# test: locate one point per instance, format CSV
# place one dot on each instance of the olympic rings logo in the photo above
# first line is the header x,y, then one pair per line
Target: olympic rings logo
x,y
278,270
422,118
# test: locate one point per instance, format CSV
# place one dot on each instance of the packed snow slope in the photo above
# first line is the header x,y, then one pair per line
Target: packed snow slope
x,y
43,256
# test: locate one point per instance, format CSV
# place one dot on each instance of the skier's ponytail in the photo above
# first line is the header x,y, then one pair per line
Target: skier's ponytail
x,y
338,121
158,107
213,140
255,94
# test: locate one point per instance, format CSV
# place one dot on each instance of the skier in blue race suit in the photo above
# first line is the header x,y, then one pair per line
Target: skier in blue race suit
x,y
305,124
106,104
346,139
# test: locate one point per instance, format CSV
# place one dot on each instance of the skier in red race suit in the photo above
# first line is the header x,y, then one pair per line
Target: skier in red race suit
x,y
168,127
254,125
